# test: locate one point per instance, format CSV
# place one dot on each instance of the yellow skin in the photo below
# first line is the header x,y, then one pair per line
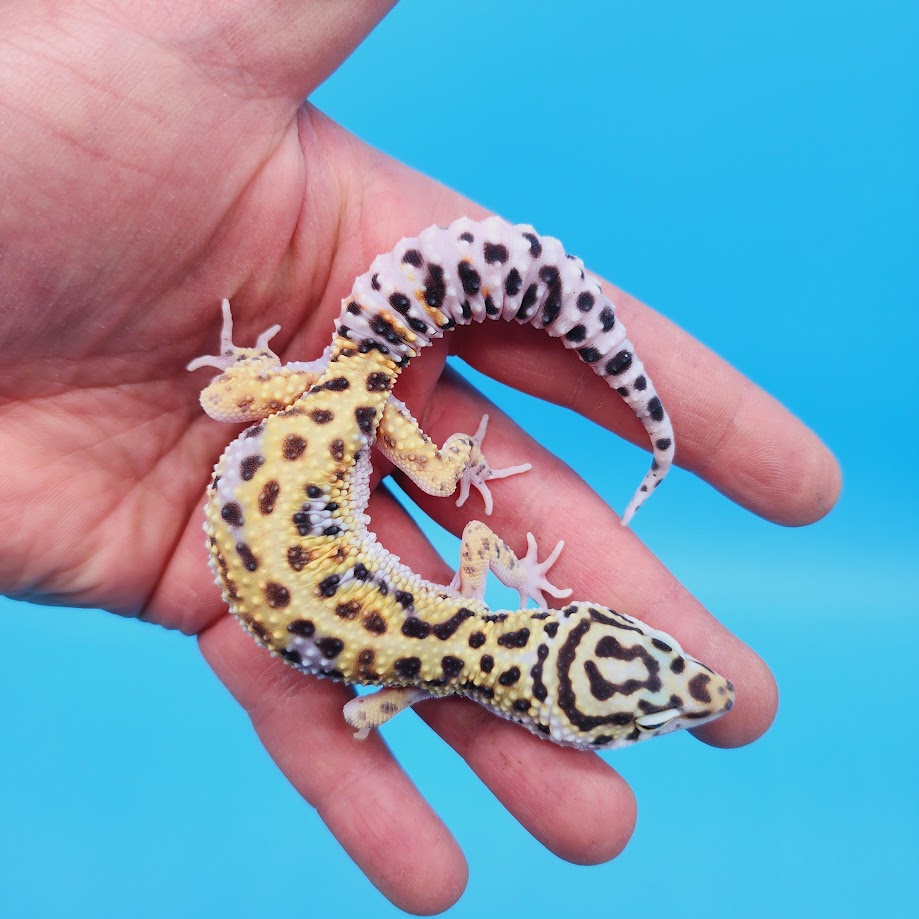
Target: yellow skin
x,y
289,544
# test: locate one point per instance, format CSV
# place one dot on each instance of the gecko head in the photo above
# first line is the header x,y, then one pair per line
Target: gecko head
x,y
253,383
620,682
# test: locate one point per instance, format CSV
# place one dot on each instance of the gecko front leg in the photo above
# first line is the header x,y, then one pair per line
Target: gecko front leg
x,y
438,471
482,550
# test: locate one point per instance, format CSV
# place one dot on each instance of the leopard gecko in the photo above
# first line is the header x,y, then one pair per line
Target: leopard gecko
x,y
288,535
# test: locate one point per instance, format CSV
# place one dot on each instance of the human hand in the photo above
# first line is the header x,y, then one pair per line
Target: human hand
x,y
153,166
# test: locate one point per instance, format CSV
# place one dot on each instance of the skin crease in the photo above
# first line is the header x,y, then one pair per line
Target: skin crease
x,y
157,157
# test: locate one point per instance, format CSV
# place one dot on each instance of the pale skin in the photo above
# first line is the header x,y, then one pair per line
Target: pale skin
x,y
157,157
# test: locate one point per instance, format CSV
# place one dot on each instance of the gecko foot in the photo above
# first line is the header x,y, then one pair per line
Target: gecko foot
x,y
478,472
532,583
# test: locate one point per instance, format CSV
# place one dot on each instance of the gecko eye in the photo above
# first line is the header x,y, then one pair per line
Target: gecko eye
x,y
657,720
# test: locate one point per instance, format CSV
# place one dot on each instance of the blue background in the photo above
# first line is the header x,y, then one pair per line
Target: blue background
x,y
750,170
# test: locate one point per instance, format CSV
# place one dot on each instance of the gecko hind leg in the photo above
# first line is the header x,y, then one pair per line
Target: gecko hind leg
x,y
460,462
482,550
367,712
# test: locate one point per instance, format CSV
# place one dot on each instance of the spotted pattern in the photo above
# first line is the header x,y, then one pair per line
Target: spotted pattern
x,y
286,509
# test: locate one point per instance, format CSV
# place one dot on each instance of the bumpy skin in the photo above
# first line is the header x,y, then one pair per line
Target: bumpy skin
x,y
288,536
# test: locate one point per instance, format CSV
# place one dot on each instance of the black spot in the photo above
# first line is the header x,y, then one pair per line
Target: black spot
x,y
328,586
293,447
232,513
321,415
254,431
413,627
472,283
607,318
535,244
413,257
378,382
250,562
585,302
249,466
553,303
361,572
513,283
405,600
677,665
348,610
435,290
619,363
330,647
551,629
408,667
578,333
374,622
521,705
366,416
337,449
490,308
302,627
277,595
400,302
529,298
333,530
495,252
641,383
339,384
476,640
268,496
589,354
369,344
487,663
467,237
516,639
698,687
663,443
655,409
509,677
298,558
314,491
382,326
452,666
353,308
466,309
375,282
622,390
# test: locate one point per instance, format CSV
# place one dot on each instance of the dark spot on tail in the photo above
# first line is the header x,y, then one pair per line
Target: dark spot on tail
x,y
495,252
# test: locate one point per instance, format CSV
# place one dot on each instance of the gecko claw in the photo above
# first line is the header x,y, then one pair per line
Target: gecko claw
x,y
478,472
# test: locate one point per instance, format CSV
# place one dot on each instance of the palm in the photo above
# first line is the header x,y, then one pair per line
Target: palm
x,y
177,167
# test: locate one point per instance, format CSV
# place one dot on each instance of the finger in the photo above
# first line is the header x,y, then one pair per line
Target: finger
x,y
729,431
358,789
602,562
570,800
273,48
